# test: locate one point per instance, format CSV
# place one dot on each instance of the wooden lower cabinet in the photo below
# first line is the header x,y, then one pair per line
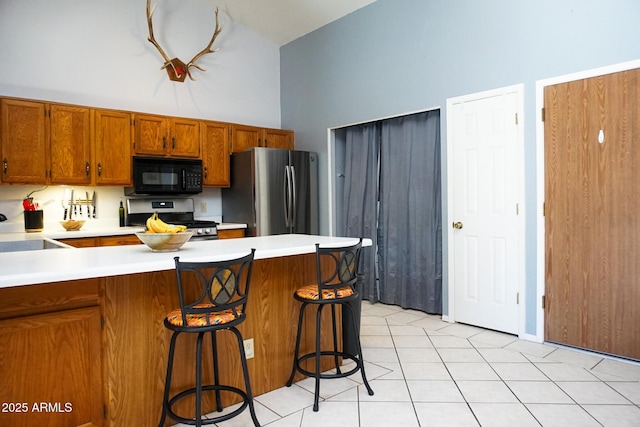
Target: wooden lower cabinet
x,y
50,355
90,242
231,234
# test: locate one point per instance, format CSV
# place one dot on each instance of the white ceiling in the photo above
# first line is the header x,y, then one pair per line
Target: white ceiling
x,y
282,21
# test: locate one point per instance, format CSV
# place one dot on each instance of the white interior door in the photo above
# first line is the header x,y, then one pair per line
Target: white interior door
x,y
485,176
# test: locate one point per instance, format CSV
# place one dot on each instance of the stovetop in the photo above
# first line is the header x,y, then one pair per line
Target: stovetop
x,y
171,210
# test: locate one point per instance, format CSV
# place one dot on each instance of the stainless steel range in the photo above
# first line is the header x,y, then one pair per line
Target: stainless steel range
x,y
173,211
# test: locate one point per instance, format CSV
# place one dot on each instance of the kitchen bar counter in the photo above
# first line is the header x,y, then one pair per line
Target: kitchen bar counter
x,y
58,265
95,317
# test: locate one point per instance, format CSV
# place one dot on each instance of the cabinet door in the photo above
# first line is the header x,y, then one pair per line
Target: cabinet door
x,y
231,234
278,138
215,154
128,239
70,145
81,242
23,136
185,138
51,369
112,148
243,137
150,135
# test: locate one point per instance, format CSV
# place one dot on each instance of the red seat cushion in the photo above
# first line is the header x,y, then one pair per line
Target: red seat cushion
x,y
310,292
204,319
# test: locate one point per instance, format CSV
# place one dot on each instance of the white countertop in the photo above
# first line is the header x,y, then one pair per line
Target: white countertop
x,y
56,265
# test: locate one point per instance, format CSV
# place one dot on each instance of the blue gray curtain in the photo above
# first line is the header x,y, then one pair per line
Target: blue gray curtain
x,y
393,196
360,203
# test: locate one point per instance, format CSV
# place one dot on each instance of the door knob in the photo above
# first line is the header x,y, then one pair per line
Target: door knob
x,y
457,225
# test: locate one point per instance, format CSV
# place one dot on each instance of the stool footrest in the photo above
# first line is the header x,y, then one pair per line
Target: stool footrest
x,y
331,354
190,391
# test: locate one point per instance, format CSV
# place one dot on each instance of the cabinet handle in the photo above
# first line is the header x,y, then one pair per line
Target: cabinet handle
x,y
87,168
99,169
206,172
5,165
164,142
173,142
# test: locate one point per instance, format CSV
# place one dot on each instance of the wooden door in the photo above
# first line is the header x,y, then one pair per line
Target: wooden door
x,y
70,144
24,137
112,148
215,154
243,137
185,138
278,138
592,200
151,135
486,258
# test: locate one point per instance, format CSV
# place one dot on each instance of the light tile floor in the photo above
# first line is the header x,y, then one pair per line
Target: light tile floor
x,y
426,372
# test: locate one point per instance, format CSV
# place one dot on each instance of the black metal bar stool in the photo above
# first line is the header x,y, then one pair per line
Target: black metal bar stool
x,y
213,297
338,277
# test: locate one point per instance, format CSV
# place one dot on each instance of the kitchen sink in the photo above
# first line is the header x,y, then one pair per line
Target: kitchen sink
x,y
32,245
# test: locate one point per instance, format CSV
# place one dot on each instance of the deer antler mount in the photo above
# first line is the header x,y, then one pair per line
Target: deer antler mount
x,y
176,69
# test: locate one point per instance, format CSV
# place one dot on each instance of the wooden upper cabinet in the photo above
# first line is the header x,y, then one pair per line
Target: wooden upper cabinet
x,y
166,136
215,154
278,138
243,137
24,134
150,135
185,138
70,145
112,147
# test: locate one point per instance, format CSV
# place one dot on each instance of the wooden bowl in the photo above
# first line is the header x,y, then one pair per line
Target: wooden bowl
x,y
72,224
164,242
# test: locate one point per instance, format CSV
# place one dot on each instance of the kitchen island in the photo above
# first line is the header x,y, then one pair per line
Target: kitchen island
x,y
81,330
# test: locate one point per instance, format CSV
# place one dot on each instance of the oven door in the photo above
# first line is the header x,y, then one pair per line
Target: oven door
x,y
166,176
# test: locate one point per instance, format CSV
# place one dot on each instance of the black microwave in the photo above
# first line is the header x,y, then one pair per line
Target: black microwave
x,y
159,175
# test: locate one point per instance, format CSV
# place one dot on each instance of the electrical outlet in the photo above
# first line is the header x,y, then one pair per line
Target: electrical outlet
x,y
248,348
203,207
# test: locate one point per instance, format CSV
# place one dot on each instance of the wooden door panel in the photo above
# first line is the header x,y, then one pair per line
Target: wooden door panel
x,y
23,137
112,148
278,138
215,154
185,138
591,205
70,145
151,134
243,137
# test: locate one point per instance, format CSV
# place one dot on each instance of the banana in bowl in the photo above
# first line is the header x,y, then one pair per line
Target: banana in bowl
x,y
163,237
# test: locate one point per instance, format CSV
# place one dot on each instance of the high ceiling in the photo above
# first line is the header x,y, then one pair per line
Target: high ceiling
x,y
282,21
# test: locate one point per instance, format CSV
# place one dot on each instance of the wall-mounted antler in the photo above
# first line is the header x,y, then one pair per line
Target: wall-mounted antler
x,y
176,69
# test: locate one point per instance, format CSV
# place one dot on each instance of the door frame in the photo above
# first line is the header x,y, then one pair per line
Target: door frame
x,y
540,173
518,89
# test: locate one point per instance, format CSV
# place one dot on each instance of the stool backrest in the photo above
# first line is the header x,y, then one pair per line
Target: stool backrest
x,y
338,267
205,287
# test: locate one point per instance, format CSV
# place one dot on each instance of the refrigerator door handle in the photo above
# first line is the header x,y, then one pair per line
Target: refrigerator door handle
x,y
293,197
286,201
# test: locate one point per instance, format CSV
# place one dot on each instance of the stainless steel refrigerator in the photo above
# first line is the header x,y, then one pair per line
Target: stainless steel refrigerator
x,y
273,191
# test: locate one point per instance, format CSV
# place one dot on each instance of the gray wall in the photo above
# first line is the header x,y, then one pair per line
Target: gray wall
x,y
397,56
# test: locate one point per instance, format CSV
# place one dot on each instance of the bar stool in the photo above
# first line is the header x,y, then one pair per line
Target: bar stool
x,y
337,284
218,303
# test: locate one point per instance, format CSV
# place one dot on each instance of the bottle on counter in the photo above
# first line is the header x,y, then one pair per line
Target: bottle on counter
x,y
121,214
